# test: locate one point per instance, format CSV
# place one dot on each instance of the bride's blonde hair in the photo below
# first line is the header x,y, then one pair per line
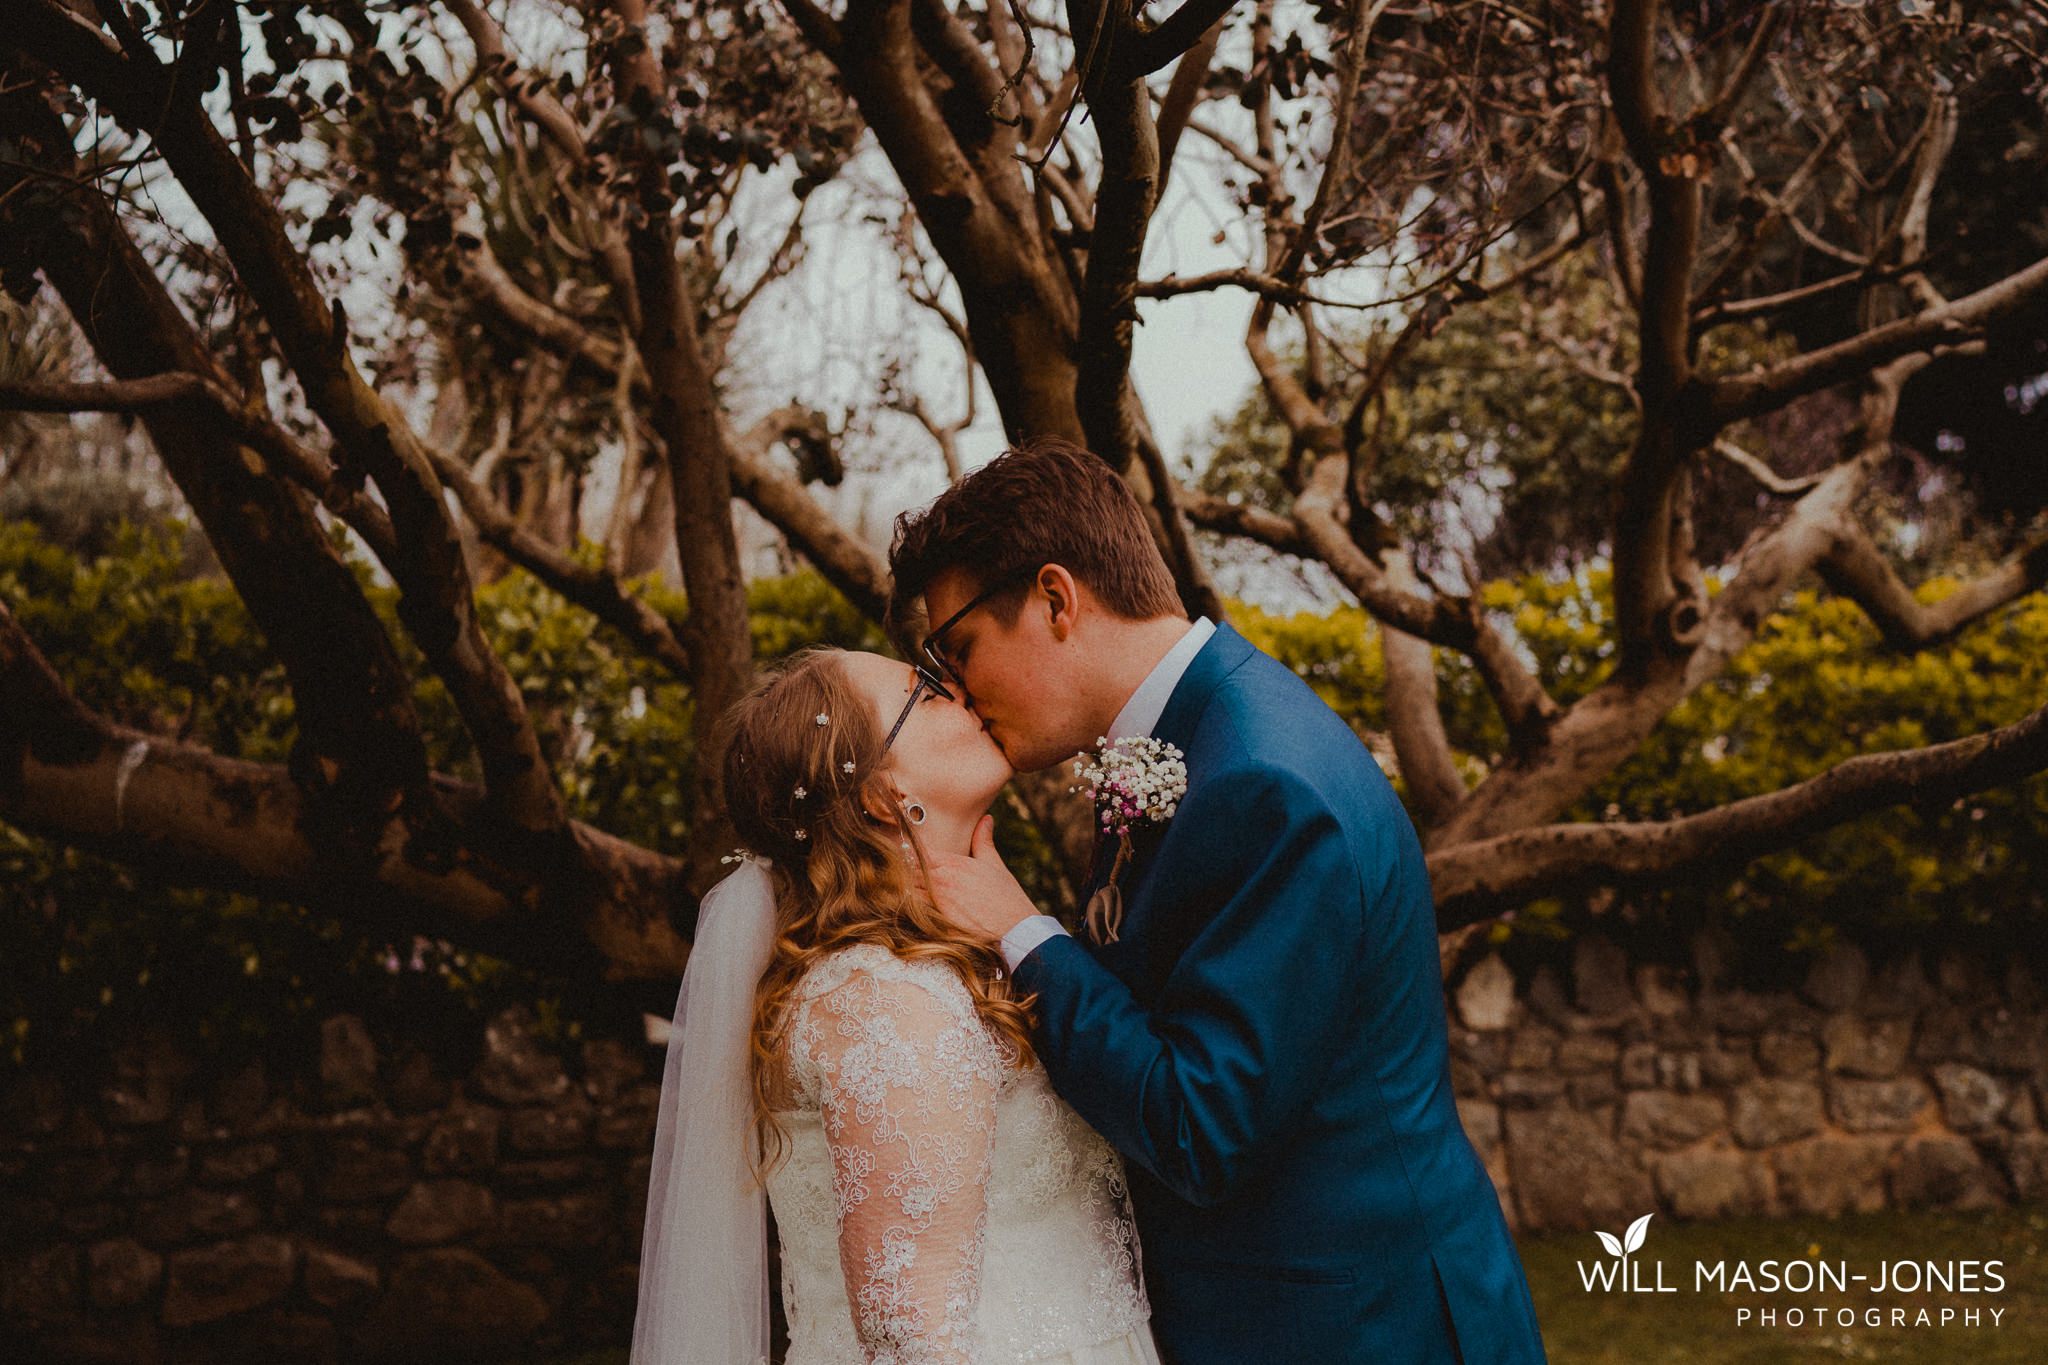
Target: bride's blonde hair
x,y
803,764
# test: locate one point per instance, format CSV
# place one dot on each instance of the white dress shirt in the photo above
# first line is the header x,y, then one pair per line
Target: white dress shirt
x,y
1140,716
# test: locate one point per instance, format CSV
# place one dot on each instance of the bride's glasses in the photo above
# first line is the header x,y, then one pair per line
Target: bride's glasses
x,y
917,692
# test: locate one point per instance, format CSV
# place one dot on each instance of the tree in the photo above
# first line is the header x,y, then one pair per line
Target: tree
x,y
579,243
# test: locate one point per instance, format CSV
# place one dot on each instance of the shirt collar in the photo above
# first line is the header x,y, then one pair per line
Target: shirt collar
x,y
1141,713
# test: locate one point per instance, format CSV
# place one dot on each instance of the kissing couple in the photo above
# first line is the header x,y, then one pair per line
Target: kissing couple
x,y
1215,1128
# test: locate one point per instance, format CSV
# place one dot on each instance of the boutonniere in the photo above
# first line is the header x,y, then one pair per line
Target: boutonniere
x,y
1134,782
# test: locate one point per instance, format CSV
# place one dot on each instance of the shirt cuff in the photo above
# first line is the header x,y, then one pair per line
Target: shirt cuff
x,y
1026,935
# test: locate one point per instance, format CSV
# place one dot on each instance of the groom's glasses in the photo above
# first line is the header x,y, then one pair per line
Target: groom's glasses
x,y
934,667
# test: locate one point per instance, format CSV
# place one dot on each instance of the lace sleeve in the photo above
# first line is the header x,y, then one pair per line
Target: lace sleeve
x,y
908,1080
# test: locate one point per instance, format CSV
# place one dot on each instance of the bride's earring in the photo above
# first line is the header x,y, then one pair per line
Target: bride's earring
x,y
915,810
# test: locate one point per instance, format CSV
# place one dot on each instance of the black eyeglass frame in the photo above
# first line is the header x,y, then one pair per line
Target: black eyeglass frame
x,y
917,690
933,667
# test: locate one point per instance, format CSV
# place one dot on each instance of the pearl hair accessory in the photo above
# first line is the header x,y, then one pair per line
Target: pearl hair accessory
x,y
822,720
847,767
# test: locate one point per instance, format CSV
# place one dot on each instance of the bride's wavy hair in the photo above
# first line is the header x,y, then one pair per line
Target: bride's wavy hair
x,y
803,764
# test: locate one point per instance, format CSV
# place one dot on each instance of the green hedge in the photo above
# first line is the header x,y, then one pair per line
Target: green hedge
x,y
93,946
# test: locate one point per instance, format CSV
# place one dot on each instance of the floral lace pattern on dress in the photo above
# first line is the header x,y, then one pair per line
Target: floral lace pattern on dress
x,y
973,1217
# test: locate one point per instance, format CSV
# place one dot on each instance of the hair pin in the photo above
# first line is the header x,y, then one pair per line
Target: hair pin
x,y
847,767
822,719
801,793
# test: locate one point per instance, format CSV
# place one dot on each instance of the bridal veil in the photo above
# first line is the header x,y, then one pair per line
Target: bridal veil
x,y
704,1255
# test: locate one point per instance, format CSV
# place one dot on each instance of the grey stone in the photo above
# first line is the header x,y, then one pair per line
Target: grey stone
x,y
1567,1173
1532,1045
40,1286
1833,1175
1661,991
362,1173
1657,1118
1594,1090
81,1175
2012,1042
1639,1066
610,1067
32,1106
240,1096
628,1123
464,1141
1600,976
549,1172
121,1273
88,1220
1788,1055
2020,1114
1713,958
1728,1063
1946,1034
1942,1171
1584,1052
154,1175
1964,976
2022,987
1899,989
514,1069
348,1062
1679,1071
415,1087
440,1211
450,1305
563,1127
1738,1011
1486,997
1711,1183
1772,1112
234,1165
1879,1106
334,1280
1837,977
2026,1165
1970,1100
215,1282
145,1078
1871,1048
1530,1089
570,1220
1546,998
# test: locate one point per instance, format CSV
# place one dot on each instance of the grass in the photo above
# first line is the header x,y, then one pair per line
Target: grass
x,y
1701,1328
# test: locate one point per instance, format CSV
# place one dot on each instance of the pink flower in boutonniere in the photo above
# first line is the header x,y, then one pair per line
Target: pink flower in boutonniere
x,y
1134,782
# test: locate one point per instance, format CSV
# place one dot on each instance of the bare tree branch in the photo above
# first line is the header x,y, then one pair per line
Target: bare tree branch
x,y
1476,879
198,818
1857,569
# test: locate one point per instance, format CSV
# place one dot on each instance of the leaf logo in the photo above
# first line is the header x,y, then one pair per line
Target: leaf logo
x,y
1629,1241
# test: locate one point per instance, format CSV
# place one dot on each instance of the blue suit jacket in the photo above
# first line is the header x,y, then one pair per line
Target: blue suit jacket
x,y
1266,1045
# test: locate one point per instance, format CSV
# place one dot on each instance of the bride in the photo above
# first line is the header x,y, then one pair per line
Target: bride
x,y
840,1045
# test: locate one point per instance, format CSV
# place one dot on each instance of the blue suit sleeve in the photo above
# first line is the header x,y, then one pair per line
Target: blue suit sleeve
x,y
1236,1042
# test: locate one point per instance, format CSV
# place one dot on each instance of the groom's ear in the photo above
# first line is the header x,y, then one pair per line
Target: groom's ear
x,y
1062,599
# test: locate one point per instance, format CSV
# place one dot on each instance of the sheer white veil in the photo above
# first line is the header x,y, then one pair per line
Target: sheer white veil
x,y
704,1255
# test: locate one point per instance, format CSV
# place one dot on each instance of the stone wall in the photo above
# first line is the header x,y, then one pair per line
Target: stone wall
x,y
369,1208
1647,1088
381,1209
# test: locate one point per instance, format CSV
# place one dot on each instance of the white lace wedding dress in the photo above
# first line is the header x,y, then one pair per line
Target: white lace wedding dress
x,y
938,1204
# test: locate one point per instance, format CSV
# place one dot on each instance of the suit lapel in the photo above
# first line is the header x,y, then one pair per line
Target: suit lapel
x,y
1225,650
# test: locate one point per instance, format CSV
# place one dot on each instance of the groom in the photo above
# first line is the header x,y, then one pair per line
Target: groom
x,y
1262,1036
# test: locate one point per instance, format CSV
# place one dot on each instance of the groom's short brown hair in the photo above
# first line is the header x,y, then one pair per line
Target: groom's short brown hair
x,y
1047,501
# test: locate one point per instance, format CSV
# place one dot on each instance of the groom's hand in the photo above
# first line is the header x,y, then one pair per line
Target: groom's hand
x,y
977,892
